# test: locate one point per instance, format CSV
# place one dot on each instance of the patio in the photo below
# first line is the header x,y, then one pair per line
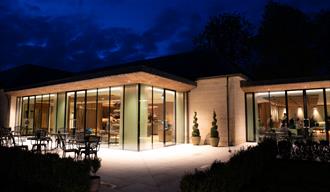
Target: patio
x,y
158,169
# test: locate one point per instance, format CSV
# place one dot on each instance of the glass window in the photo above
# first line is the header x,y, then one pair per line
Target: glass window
x,y
263,116
169,124
25,115
52,112
158,117
327,91
145,117
316,116
60,123
80,111
116,114
70,112
249,117
131,120
278,109
37,112
91,111
31,113
103,114
296,110
18,113
45,112
180,128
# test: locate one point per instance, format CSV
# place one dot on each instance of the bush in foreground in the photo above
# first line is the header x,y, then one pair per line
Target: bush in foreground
x,y
25,171
258,169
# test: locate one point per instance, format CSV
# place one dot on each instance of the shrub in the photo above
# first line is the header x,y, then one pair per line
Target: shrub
x,y
26,171
94,164
195,131
258,169
214,128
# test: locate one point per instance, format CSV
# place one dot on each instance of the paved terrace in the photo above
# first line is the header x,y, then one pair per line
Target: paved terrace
x,y
158,170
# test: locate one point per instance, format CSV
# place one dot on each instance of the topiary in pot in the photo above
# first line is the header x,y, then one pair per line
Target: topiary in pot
x,y
214,139
196,137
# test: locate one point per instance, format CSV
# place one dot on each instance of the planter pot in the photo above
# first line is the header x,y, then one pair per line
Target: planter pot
x,y
94,183
195,140
214,141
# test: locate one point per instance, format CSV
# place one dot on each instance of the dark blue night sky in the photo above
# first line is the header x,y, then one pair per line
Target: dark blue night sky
x,y
82,34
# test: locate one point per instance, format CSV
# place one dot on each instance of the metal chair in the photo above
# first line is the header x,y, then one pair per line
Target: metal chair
x,y
65,148
92,146
23,147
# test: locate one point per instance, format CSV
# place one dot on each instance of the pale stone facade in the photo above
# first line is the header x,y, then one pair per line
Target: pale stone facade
x,y
211,94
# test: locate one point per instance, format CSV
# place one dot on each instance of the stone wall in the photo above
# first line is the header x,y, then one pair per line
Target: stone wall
x,y
211,94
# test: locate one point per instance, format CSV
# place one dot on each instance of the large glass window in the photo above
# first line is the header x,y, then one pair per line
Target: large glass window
x,y
263,116
18,114
31,115
169,124
45,112
249,117
25,115
52,113
80,111
103,114
38,112
131,117
158,117
91,108
116,114
296,111
180,114
60,122
70,112
113,113
316,116
145,117
278,109
327,92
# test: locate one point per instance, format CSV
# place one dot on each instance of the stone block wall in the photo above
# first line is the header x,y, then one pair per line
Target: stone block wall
x,y
211,94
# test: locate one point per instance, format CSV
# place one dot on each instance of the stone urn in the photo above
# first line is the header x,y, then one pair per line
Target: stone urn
x,y
214,141
195,140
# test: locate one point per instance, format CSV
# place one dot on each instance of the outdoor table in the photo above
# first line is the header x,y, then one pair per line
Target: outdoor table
x,y
87,149
39,143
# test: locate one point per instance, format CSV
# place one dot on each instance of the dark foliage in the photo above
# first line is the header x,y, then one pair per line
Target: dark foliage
x,y
288,43
228,35
260,169
25,171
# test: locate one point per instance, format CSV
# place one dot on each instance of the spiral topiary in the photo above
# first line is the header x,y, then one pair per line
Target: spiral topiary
x,y
214,128
195,132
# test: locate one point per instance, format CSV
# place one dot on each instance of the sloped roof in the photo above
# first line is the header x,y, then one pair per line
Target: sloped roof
x,y
190,65
29,74
184,67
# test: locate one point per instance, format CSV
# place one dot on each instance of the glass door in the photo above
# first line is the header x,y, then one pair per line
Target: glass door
x,y
169,123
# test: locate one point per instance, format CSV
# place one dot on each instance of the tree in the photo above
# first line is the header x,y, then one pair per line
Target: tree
x,y
321,41
283,43
229,36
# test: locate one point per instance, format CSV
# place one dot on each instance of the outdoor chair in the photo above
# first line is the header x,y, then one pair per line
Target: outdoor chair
x,y
67,148
23,147
5,136
40,138
92,146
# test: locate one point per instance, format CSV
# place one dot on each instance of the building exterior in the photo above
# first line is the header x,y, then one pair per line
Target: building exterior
x,y
149,104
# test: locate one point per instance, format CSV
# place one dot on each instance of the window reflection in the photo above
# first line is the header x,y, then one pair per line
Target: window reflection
x,y
316,116
158,117
116,129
